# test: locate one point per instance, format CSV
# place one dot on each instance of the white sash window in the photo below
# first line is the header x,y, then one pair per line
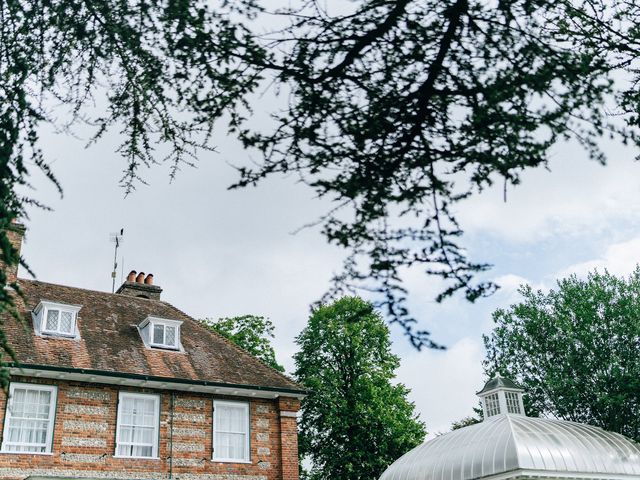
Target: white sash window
x,y
138,421
231,431
29,420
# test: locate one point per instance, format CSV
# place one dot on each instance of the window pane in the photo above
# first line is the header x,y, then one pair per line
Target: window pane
x,y
66,322
237,445
125,434
142,451
170,335
124,450
236,419
158,334
222,418
52,320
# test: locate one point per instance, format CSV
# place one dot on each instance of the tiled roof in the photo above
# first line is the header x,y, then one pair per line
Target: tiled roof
x,y
110,341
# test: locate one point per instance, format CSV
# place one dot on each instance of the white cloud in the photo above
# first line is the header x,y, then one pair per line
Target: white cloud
x,y
576,197
619,259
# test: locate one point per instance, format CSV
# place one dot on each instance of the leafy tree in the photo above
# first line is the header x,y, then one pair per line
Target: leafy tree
x,y
355,421
253,333
397,109
575,349
477,417
465,422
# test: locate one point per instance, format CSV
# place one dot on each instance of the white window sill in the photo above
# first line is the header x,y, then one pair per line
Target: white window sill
x,y
11,452
136,458
230,460
158,346
67,336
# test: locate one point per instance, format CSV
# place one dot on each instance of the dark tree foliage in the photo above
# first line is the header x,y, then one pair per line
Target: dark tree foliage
x,y
465,422
397,109
575,350
355,422
252,333
476,417
401,109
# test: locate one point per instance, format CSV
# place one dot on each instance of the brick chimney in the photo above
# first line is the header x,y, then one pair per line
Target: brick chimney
x,y
137,285
15,233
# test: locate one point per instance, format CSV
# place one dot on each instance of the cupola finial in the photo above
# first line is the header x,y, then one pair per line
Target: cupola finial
x,y
501,395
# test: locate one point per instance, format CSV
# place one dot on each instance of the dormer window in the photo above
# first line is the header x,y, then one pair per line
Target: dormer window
x,y
161,333
56,319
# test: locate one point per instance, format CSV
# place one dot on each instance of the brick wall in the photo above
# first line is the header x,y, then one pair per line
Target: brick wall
x,y
84,438
288,408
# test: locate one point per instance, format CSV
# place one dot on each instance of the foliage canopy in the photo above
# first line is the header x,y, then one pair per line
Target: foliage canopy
x,y
355,421
575,350
252,333
397,109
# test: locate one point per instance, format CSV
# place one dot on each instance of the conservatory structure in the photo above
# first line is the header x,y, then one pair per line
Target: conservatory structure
x,y
508,445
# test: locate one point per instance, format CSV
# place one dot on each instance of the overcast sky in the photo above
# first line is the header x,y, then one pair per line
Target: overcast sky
x,y
220,253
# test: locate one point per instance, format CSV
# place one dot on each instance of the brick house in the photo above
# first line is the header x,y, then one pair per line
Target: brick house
x,y
126,386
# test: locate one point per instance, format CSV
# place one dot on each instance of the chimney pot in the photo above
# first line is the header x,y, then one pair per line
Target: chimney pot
x,y
139,286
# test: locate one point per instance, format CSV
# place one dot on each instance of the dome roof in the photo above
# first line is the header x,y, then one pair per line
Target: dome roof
x,y
516,445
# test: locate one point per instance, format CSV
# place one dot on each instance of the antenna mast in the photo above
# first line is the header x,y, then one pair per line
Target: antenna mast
x,y
116,238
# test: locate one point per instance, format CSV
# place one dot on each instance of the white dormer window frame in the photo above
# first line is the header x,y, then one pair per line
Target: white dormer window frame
x,y
54,319
161,333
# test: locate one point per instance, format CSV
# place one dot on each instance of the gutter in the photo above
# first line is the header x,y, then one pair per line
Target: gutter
x,y
150,381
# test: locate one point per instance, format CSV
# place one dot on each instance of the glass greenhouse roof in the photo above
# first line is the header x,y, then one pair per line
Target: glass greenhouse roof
x,y
515,445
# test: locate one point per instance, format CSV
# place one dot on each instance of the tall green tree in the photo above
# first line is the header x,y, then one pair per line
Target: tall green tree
x,y
395,110
355,420
575,349
253,333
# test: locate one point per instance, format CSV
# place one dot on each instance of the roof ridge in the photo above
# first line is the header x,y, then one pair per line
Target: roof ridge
x,y
102,292
514,439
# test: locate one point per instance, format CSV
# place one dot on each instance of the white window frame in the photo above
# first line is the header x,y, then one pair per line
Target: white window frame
x,y
156,422
42,311
51,423
245,405
147,332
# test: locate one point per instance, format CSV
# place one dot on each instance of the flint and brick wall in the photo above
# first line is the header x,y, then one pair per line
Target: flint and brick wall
x,y
85,431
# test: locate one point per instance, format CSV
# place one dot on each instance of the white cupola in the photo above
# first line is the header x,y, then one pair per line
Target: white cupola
x,y
499,396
